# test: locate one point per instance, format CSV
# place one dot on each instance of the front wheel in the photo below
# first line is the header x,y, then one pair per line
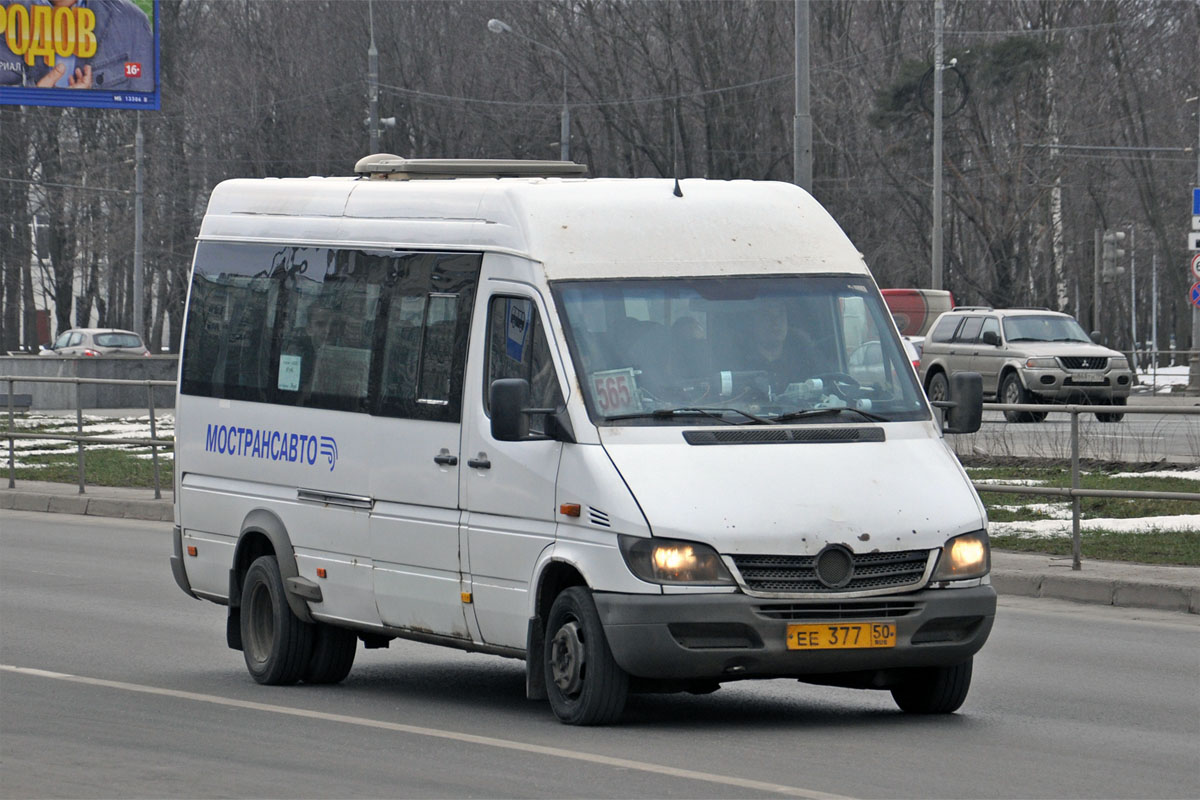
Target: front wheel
x,y
277,644
1013,393
584,683
934,690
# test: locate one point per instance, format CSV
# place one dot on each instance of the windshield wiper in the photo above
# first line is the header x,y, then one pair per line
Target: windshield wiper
x,y
818,412
714,413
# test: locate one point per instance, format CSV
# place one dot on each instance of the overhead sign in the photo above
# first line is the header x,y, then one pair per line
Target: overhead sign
x,y
82,54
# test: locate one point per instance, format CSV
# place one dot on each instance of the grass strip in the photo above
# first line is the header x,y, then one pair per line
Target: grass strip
x,y
1178,548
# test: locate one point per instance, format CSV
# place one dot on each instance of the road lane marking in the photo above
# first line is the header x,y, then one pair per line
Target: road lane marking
x,y
436,733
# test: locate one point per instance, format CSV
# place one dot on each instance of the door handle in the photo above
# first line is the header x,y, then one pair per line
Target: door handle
x,y
479,463
445,460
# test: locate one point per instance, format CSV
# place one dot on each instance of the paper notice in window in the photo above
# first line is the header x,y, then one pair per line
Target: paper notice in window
x,y
289,372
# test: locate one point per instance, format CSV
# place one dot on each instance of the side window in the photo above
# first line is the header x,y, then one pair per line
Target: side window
x,y
969,332
517,348
427,305
348,330
231,318
990,324
944,330
76,340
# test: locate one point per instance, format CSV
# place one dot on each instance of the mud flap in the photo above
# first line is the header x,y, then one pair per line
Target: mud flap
x,y
535,667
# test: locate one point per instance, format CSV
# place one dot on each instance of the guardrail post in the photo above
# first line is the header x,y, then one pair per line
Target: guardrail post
x,y
79,431
153,435
12,464
1075,500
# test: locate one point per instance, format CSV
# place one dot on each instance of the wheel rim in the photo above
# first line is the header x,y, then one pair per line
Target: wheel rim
x,y
262,624
568,659
1012,393
937,388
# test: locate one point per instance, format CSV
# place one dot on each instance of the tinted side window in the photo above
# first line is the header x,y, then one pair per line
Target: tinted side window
x,y
517,348
944,330
969,331
427,316
347,330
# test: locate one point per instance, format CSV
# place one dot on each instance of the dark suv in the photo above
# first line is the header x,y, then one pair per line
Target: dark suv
x,y
1025,356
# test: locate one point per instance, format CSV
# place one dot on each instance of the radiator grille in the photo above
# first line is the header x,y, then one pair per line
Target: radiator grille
x,y
1083,362
792,612
800,574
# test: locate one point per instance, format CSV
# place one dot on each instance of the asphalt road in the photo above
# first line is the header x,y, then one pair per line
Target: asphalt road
x,y
113,683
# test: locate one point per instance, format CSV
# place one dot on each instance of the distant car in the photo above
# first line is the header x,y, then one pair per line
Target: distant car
x,y
866,363
1025,356
97,342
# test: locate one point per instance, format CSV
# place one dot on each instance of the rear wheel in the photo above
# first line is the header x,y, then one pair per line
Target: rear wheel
x,y
584,683
1013,393
1112,416
332,655
277,645
938,388
934,690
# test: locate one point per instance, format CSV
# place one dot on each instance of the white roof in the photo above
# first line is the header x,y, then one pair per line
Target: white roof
x,y
576,227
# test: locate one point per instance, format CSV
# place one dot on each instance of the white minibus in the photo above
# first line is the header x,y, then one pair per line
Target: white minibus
x,y
622,429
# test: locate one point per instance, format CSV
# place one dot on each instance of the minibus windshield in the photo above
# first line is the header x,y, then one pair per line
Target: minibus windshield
x,y
737,350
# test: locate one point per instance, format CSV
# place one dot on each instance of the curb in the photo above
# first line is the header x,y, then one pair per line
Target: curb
x,y
1125,591
154,510
1098,591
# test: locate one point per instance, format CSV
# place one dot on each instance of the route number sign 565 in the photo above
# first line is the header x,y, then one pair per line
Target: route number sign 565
x,y
615,391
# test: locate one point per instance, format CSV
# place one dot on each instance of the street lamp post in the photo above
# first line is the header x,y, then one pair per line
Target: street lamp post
x,y
564,133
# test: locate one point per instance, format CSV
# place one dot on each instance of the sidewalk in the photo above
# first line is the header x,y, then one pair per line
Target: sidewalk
x,y
1101,582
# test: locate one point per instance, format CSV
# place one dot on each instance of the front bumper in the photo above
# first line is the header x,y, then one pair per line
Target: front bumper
x,y
1063,385
734,636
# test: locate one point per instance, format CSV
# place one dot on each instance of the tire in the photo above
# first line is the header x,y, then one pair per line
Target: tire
x,y
1011,393
584,684
938,388
277,645
1112,416
934,690
332,655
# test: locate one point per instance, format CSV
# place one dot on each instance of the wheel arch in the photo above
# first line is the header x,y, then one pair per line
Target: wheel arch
x,y
936,368
264,534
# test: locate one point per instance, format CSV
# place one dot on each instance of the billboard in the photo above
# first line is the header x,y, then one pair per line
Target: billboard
x,y
82,53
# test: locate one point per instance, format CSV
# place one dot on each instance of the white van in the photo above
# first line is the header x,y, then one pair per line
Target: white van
x,y
613,427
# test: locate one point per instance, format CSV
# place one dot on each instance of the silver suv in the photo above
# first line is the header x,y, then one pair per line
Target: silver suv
x,y
1024,356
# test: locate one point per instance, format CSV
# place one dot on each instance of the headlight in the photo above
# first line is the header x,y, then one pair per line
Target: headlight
x,y
966,556
1120,362
1041,363
672,561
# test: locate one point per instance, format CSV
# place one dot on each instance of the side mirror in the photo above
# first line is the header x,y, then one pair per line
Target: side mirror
x,y
992,338
1095,336
508,398
965,412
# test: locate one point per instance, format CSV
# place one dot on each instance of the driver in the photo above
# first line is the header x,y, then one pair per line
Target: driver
x,y
776,349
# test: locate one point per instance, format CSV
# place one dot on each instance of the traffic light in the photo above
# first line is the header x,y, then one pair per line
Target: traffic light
x,y
1111,254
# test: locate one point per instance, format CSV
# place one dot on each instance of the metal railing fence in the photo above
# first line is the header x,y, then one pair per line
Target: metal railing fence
x,y
1075,491
78,437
